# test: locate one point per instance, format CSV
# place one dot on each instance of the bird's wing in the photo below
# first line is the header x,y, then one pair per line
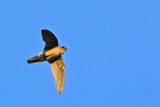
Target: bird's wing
x,y
58,70
50,39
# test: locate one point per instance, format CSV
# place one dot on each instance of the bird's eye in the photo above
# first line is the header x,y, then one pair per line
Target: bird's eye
x,y
63,47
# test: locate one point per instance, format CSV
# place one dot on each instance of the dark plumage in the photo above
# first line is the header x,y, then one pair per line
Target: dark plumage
x,y
49,38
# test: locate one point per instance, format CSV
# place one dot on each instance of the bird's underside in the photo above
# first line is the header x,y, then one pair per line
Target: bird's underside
x,y
53,54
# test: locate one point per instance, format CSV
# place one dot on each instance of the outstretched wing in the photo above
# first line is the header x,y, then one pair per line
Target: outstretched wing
x,y
50,39
58,70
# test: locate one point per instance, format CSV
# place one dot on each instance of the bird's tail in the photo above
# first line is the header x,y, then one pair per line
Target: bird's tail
x,y
32,60
38,58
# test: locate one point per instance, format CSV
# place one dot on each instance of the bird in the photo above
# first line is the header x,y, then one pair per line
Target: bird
x,y
52,53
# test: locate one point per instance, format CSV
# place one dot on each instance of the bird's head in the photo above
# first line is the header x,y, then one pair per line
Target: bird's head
x,y
62,49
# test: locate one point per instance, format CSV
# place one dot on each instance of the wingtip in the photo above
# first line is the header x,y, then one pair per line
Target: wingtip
x,y
60,90
59,93
45,30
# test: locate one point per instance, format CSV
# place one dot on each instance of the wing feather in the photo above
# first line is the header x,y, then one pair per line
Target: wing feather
x,y
49,38
58,70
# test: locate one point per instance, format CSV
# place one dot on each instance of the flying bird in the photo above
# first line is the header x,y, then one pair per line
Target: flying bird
x,y
52,53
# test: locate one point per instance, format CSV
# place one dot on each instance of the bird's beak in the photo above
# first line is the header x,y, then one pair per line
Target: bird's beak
x,y
65,49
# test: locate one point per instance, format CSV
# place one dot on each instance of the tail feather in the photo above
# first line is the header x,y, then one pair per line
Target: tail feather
x,y
32,60
38,58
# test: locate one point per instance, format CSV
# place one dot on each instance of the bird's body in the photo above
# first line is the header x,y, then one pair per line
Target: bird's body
x,y
47,55
55,51
52,53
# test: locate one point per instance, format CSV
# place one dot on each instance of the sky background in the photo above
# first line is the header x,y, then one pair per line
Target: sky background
x,y
113,57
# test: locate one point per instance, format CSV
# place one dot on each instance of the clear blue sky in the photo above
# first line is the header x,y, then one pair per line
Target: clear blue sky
x,y
113,57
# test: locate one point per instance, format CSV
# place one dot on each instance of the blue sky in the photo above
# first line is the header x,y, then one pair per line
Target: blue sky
x,y
113,57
